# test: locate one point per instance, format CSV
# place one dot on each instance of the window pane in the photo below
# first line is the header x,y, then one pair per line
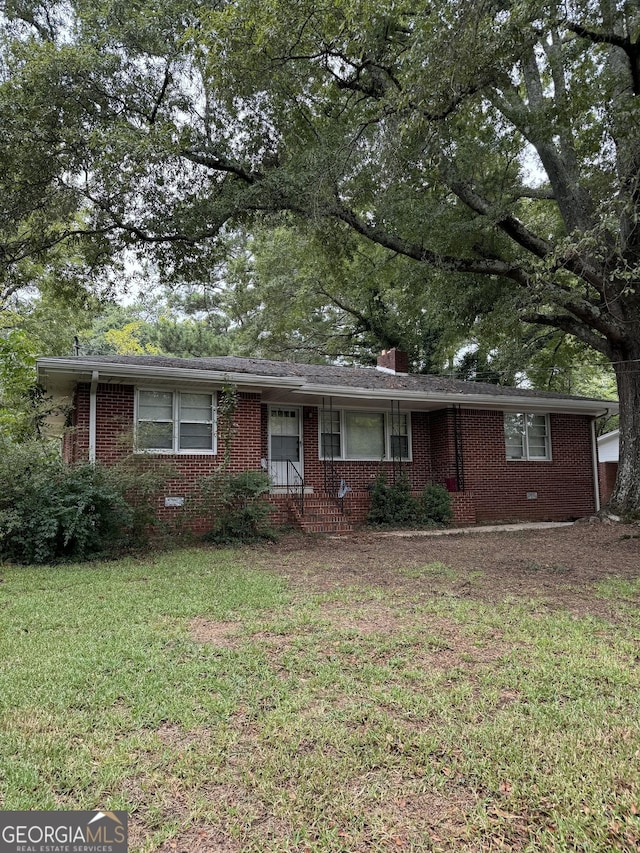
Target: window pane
x,y
514,436
330,421
155,406
196,436
330,440
399,447
284,422
195,407
537,436
536,422
537,447
285,447
398,425
537,451
330,444
154,436
365,435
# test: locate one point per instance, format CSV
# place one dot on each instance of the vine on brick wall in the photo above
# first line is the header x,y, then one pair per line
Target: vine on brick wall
x,y
227,408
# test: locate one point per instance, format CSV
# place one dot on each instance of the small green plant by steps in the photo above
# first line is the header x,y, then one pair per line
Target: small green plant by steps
x,y
236,505
394,505
435,505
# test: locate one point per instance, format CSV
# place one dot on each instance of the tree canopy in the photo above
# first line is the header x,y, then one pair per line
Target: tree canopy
x,y
494,144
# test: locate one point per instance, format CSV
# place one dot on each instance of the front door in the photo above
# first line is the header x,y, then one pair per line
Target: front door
x,y
285,447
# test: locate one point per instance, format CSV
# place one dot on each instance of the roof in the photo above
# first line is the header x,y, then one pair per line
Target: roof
x,y
287,381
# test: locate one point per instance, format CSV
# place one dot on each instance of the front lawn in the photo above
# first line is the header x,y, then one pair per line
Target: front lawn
x,y
347,695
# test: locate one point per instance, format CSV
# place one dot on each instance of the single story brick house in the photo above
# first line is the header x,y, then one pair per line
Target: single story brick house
x,y
325,433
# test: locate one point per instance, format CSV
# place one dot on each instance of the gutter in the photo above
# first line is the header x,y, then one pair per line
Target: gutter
x,y
502,402
295,384
149,372
594,458
93,411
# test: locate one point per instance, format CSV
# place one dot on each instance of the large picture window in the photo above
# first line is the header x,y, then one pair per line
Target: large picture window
x,y
527,436
175,422
366,436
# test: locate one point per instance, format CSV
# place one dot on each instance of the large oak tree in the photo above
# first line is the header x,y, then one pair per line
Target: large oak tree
x,y
496,143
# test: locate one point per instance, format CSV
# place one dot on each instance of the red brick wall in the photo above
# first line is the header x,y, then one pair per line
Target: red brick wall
x,y
359,476
564,485
443,457
495,489
607,472
114,442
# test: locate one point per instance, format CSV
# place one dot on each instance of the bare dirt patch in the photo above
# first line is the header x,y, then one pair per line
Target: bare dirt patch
x,y
224,635
558,567
201,840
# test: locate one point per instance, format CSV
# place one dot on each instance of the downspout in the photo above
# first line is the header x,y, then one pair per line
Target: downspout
x,y
594,459
93,409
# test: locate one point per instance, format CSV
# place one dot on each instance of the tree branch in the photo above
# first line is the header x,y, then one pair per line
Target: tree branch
x,y
511,225
482,266
573,327
631,49
161,94
220,163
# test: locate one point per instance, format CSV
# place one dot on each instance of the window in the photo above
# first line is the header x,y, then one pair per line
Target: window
x,y
399,438
175,421
330,435
367,436
527,436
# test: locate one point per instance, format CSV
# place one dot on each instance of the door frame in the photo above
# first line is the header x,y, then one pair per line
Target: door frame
x,y
270,462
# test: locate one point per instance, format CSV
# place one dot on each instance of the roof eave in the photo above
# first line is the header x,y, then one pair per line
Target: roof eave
x,y
68,371
502,402
142,372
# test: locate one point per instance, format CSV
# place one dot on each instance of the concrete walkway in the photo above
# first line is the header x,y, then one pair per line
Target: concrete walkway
x,y
490,528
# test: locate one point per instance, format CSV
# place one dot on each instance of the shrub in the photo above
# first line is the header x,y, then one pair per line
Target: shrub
x,y
392,504
435,505
50,511
139,481
236,504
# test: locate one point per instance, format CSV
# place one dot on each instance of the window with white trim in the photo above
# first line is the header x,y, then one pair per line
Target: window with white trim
x,y
364,436
527,436
175,421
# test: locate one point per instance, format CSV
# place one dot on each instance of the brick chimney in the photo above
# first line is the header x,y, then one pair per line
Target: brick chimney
x,y
393,361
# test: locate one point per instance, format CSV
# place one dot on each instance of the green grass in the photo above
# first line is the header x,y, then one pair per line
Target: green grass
x,y
358,719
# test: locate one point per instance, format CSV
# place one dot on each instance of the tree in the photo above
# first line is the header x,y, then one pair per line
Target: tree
x,y
495,143
294,291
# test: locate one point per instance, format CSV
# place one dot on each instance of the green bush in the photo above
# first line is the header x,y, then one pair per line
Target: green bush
x,y
139,481
392,504
236,504
50,511
435,505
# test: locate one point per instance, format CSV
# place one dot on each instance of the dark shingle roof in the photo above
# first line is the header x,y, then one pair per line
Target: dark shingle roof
x,y
367,378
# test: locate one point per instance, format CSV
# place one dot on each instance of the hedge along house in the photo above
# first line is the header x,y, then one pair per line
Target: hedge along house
x,y
325,433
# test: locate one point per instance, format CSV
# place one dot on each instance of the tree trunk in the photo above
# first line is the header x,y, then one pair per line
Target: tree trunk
x,y
625,499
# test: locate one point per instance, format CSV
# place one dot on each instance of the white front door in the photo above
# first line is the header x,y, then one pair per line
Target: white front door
x,y
285,446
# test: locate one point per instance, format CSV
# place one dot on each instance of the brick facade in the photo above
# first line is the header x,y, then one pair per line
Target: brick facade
x,y
503,489
607,473
494,489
